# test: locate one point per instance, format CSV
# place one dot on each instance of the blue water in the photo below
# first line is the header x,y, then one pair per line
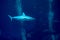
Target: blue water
x,y
37,29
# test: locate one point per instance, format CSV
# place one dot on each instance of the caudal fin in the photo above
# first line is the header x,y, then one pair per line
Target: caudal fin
x,y
10,17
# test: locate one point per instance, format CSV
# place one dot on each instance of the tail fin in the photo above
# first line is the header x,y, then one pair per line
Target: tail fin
x,y
10,17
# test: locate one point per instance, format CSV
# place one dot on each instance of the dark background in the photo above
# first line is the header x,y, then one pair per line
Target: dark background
x,y
10,30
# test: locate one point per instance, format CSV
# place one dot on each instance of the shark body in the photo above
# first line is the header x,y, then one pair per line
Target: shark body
x,y
23,17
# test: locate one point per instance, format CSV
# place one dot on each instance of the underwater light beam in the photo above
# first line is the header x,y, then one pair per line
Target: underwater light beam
x,y
50,18
19,6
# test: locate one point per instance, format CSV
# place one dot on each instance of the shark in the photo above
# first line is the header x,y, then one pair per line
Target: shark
x,y
22,17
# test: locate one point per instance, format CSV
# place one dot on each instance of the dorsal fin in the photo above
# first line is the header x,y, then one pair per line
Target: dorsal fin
x,y
23,14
